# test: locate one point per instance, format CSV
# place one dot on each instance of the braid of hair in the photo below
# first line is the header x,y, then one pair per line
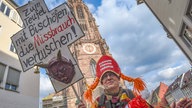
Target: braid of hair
x,y
88,92
138,84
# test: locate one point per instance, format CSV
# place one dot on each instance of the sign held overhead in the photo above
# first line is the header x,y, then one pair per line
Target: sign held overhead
x,y
44,33
44,42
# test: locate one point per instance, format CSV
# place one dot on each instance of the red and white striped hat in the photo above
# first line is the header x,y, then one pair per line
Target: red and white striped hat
x,y
105,64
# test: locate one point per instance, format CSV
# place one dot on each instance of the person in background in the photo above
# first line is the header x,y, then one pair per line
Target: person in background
x,y
108,73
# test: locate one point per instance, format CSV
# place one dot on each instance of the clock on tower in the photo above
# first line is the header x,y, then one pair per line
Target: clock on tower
x,y
89,48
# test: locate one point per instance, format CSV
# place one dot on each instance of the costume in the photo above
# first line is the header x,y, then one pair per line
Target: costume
x,y
119,100
108,64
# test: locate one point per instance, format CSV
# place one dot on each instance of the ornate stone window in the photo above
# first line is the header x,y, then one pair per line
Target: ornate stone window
x,y
93,67
80,13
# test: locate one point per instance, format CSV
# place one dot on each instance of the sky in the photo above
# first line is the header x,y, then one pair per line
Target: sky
x,y
136,40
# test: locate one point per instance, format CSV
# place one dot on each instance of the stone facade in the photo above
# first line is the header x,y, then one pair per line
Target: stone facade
x,y
86,51
157,98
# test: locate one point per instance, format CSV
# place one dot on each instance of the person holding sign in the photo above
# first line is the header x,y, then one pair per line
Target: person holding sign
x,y
108,73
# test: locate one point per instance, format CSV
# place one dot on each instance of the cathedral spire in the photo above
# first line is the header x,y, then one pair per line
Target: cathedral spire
x,y
86,50
88,25
85,19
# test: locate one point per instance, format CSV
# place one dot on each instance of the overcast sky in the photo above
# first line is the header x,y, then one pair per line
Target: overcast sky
x,y
136,40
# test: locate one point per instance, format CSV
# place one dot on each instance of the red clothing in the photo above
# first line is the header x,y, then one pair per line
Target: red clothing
x,y
124,99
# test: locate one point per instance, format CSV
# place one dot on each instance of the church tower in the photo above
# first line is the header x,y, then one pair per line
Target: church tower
x,y
86,50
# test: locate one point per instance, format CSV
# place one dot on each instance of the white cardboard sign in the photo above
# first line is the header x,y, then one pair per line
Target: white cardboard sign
x,y
45,33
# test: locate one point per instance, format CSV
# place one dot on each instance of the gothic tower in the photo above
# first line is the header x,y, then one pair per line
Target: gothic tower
x,y
87,50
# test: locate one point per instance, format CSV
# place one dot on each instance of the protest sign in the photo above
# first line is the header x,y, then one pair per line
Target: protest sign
x,y
44,34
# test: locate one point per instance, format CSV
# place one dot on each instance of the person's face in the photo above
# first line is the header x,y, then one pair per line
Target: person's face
x,y
110,81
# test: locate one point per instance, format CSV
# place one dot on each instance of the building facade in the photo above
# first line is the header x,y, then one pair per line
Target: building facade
x,y
55,100
180,88
157,98
176,19
17,89
87,52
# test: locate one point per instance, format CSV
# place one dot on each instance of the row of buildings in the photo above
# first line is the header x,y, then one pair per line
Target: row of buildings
x,y
164,95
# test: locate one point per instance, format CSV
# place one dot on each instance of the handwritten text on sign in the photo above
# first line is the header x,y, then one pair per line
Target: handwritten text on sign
x,y
44,33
